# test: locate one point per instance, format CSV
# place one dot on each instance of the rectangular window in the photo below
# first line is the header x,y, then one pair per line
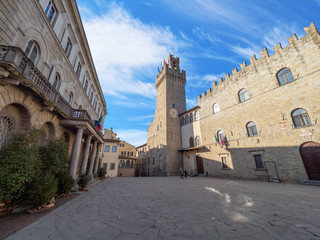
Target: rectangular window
x,y
105,166
114,149
224,162
78,70
112,166
51,13
107,149
259,162
68,48
123,153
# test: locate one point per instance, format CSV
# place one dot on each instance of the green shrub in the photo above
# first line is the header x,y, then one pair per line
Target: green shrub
x,y
83,180
41,189
19,162
65,182
54,157
101,172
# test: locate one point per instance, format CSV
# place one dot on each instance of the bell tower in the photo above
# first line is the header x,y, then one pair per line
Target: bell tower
x,y
164,132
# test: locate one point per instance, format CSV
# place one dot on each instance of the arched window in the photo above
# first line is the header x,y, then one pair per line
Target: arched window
x,y
252,129
131,164
56,83
197,140
187,119
215,108
127,164
191,117
121,165
285,76
243,95
182,121
33,52
300,118
70,99
196,114
7,126
191,142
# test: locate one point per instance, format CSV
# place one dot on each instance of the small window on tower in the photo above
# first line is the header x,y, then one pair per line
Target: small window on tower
x,y
173,105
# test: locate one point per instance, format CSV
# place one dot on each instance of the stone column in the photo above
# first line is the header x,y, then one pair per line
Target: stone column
x,y
85,155
93,155
76,152
95,171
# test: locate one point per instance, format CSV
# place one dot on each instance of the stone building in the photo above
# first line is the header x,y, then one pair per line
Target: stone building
x,y
162,157
127,160
110,153
259,123
48,79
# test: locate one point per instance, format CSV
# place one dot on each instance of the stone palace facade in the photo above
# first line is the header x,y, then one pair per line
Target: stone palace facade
x,y
261,122
48,79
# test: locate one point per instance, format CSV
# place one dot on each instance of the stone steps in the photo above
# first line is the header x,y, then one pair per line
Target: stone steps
x,y
311,182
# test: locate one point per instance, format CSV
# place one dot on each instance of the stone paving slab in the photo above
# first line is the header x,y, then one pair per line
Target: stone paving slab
x,y
165,208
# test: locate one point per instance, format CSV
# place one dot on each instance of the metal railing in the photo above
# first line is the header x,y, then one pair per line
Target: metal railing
x,y
34,79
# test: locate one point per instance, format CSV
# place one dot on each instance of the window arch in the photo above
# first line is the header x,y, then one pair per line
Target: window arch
x,y
127,164
252,129
243,95
56,83
187,119
131,164
196,114
7,126
121,165
300,118
197,141
191,142
70,99
182,121
215,108
191,117
33,51
284,76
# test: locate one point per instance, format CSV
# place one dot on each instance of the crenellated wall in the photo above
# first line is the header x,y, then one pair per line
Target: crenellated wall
x,y
269,106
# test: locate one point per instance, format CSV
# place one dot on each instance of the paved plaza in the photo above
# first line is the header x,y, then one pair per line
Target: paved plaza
x,y
194,208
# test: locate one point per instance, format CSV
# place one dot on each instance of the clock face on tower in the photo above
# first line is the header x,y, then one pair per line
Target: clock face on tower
x,y
173,113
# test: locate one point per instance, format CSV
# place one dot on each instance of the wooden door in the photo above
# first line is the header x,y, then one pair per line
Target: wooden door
x,y
199,164
310,153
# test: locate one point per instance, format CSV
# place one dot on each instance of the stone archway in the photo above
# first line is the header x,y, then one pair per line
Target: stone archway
x,y
13,117
48,131
310,153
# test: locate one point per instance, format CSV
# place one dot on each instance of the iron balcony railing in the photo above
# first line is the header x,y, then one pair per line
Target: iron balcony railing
x,y
34,79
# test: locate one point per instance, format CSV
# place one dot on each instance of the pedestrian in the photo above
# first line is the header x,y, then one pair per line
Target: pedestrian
x,y
181,173
185,174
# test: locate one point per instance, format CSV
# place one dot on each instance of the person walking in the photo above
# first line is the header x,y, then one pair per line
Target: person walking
x,y
181,173
185,174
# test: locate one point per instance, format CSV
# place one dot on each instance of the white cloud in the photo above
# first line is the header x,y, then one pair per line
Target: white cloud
x,y
132,136
124,49
246,52
191,103
203,80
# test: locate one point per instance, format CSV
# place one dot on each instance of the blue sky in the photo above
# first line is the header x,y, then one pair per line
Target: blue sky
x,y
129,39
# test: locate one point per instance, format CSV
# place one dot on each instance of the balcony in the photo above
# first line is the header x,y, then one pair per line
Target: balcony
x,y
13,60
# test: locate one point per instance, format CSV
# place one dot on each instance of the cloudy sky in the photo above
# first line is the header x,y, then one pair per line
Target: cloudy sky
x,y
129,39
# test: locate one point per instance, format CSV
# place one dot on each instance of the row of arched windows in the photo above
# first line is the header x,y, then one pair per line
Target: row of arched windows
x,y
284,76
189,118
194,142
299,116
126,164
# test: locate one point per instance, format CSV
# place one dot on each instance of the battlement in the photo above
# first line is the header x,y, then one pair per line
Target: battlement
x,y
172,69
312,34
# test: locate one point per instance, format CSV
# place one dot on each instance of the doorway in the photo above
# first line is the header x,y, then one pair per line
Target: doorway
x,y
199,161
310,153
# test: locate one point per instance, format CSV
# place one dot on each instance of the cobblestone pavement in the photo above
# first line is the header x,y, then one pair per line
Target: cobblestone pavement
x,y
194,208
